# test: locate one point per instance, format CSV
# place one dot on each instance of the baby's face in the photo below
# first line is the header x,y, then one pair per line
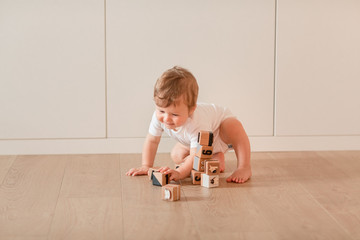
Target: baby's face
x,y
173,116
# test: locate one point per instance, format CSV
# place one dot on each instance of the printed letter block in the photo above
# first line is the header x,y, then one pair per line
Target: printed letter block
x,y
205,138
195,177
199,164
209,181
150,172
160,179
170,192
212,167
204,152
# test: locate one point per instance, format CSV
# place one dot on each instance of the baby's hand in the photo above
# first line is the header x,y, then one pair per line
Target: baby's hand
x,y
138,171
173,174
240,175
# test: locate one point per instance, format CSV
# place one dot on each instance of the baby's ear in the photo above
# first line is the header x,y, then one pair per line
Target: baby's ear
x,y
192,109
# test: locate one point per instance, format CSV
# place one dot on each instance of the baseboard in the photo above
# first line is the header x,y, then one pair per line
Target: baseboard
x,y
134,145
305,143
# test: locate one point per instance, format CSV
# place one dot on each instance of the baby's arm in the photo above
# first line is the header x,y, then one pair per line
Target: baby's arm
x,y
148,156
184,170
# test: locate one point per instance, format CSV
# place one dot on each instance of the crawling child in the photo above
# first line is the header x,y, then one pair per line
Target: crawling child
x,y
181,117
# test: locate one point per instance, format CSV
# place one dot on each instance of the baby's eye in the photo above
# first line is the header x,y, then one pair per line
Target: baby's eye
x,y
175,115
161,111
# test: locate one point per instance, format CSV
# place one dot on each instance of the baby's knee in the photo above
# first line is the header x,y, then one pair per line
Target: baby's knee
x,y
174,156
177,159
230,129
219,156
179,152
177,156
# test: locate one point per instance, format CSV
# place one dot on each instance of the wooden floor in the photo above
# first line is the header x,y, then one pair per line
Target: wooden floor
x,y
292,195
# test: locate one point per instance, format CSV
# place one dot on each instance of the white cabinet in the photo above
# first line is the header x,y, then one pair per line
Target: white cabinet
x,y
80,77
229,47
52,69
318,79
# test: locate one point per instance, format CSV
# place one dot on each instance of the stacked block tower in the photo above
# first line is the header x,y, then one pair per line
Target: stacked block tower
x,y
205,171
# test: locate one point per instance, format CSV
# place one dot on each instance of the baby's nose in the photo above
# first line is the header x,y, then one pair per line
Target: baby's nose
x,y
166,117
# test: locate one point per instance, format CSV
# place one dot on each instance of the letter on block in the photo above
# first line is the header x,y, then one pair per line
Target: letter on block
x,y
205,138
199,164
209,181
204,152
195,177
170,192
160,179
212,167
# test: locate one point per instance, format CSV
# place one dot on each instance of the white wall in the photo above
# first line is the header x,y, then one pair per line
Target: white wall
x,y
318,78
51,70
224,45
77,76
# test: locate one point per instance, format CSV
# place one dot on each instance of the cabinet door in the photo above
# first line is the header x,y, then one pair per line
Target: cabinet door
x,y
229,47
318,68
52,70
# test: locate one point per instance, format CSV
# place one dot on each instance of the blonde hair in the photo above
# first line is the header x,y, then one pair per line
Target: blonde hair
x,y
175,83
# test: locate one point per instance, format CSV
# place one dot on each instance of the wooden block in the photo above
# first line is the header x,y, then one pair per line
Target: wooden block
x,y
150,172
160,179
212,167
199,164
204,152
209,181
205,138
170,192
195,177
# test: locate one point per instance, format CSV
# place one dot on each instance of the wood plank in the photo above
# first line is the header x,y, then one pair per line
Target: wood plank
x,y
323,183
88,218
339,191
271,176
347,162
298,217
229,209
28,196
145,214
5,164
276,191
224,211
92,176
292,195
90,202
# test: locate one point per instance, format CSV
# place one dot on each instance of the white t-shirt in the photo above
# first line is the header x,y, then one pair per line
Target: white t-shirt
x,y
206,117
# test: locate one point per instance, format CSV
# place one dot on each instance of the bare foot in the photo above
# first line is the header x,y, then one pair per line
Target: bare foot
x,y
221,158
240,175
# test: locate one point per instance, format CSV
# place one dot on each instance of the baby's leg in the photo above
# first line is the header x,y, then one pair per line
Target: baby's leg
x,y
221,158
179,153
232,132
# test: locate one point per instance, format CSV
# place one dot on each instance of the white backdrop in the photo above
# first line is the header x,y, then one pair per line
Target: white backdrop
x,y
77,76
